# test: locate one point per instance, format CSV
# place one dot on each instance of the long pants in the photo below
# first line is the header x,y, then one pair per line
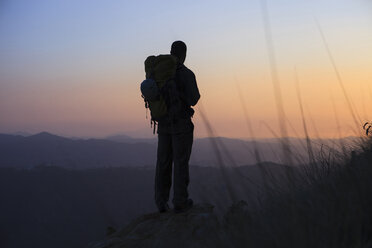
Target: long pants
x,y
173,148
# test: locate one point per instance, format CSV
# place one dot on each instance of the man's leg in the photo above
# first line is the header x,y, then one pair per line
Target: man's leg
x,y
163,176
182,145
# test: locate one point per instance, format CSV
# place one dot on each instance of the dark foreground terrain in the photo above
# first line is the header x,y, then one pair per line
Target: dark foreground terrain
x,y
326,205
50,206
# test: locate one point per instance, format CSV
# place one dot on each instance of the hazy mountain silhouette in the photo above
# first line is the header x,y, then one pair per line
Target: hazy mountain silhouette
x,y
122,150
25,134
127,139
46,148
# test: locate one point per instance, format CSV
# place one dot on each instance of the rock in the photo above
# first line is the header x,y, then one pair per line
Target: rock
x,y
197,228
238,213
237,223
110,230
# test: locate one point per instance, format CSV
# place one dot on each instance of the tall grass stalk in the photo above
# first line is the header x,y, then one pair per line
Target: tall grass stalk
x,y
308,141
214,142
276,83
352,110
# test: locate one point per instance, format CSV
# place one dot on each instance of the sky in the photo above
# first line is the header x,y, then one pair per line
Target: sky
x,y
74,68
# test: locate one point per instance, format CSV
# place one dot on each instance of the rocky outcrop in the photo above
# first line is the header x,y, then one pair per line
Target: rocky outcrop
x,y
197,228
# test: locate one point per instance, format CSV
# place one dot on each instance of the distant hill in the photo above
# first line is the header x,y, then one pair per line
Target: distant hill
x,y
45,148
122,150
127,139
22,133
241,152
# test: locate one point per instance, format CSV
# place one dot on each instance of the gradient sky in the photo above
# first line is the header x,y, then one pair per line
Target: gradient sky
x,y
74,67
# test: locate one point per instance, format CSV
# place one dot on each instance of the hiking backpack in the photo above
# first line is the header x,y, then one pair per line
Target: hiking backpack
x,y
159,89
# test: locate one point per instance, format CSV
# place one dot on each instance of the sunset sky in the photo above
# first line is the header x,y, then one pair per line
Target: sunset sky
x,y
74,67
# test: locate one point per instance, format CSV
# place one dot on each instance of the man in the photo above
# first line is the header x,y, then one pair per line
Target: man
x,y
175,138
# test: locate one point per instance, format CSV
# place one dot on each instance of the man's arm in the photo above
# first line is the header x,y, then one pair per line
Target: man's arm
x,y
191,89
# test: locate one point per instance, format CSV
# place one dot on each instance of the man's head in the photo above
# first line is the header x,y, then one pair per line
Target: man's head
x,y
179,50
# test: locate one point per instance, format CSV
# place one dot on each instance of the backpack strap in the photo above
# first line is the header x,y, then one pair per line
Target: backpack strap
x,y
146,105
154,123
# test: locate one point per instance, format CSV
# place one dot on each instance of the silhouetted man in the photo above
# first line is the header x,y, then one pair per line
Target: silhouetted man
x,y
175,138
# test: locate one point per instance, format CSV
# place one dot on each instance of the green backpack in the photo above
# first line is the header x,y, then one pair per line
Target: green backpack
x,y
160,72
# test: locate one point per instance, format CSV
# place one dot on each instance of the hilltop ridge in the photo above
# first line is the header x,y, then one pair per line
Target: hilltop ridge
x,y
199,227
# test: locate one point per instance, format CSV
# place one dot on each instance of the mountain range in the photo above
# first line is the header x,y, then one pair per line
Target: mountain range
x,y
19,151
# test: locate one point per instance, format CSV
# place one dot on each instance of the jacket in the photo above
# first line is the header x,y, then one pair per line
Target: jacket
x,y
189,94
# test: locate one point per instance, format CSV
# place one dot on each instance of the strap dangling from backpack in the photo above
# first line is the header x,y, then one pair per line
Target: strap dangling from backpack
x,y
153,122
146,104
